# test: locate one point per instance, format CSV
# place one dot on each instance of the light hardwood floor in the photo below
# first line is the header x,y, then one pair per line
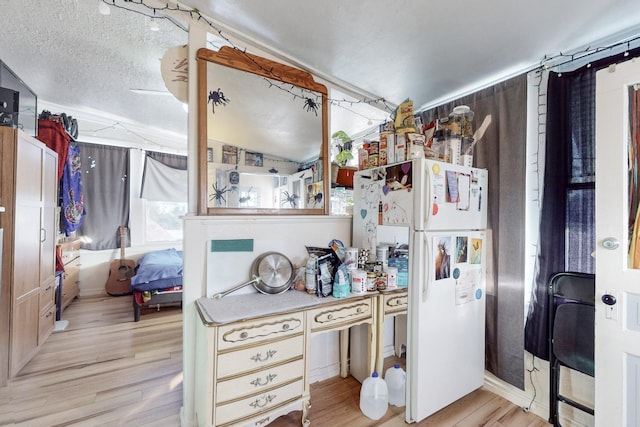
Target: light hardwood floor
x,y
106,370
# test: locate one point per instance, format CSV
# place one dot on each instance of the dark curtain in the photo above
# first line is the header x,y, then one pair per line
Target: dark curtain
x,y
175,161
502,151
105,180
567,218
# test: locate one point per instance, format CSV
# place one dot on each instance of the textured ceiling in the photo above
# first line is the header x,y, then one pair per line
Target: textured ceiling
x,y
82,62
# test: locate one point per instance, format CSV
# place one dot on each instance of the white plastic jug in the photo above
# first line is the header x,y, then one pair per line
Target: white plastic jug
x,y
396,379
374,397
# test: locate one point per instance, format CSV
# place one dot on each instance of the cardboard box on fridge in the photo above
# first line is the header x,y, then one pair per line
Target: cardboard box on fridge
x,y
400,148
389,141
363,158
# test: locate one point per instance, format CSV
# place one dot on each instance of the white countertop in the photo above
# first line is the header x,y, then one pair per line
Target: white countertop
x,y
234,308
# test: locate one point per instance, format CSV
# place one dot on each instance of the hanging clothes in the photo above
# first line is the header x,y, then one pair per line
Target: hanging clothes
x,y
71,189
53,135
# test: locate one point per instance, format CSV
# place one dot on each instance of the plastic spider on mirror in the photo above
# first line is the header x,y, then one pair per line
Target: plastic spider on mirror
x,y
218,195
247,197
292,199
216,97
311,105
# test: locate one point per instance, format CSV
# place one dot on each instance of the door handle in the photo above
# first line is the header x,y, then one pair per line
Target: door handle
x,y
609,299
610,243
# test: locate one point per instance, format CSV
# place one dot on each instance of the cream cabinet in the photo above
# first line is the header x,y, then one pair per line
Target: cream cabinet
x,y
252,355
29,194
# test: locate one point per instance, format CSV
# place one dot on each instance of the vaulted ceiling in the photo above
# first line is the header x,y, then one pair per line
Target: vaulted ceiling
x,y
85,63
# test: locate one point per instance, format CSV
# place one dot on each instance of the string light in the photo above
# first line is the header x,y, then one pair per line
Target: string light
x,y
118,125
194,14
563,58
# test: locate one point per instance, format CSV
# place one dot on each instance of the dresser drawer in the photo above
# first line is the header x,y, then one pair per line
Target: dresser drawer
x,y
346,313
249,359
47,294
46,323
249,333
69,251
258,382
395,302
253,405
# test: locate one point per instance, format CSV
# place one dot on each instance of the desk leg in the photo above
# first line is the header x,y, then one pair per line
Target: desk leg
x,y
379,356
344,352
373,349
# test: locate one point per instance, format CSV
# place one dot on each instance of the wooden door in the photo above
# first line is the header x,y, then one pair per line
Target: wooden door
x,y
617,324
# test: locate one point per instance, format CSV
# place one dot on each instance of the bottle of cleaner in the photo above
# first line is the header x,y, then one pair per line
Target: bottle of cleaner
x,y
374,397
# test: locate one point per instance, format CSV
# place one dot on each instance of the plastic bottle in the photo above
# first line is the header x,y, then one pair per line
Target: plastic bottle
x,y
396,379
374,397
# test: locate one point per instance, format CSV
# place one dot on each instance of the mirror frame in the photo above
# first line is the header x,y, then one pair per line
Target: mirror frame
x,y
239,60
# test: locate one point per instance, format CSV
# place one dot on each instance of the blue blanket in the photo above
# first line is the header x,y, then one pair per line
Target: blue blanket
x,y
158,270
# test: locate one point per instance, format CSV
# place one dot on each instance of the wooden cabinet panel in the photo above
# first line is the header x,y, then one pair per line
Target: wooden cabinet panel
x,y
28,191
25,314
46,323
47,294
26,249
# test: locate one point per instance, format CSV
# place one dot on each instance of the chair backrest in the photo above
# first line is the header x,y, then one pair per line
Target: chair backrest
x,y
573,296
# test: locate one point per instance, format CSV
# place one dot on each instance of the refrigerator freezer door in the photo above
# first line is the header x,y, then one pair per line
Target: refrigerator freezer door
x,y
446,320
449,197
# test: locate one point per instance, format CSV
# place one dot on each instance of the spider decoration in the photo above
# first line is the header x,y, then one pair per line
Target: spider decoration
x,y
216,97
218,194
246,198
292,199
311,105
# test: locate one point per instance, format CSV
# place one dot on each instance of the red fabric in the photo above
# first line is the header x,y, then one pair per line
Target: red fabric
x,y
54,136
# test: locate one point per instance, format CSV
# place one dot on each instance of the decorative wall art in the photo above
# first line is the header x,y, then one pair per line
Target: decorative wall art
x,y
229,154
253,159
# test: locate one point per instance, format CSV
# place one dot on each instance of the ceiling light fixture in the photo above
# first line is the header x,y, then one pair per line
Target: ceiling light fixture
x,y
103,8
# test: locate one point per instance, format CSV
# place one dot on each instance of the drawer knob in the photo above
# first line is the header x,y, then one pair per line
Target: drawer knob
x,y
260,358
330,316
285,327
259,383
262,401
244,335
359,310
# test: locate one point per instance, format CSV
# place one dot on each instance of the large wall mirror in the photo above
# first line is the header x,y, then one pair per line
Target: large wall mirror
x,y
262,137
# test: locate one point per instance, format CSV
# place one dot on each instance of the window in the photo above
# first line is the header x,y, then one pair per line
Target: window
x,y
163,220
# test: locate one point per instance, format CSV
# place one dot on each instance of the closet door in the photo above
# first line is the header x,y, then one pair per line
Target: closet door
x,y
25,311
33,246
48,225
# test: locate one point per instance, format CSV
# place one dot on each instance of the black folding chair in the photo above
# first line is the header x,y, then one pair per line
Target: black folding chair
x,y
571,333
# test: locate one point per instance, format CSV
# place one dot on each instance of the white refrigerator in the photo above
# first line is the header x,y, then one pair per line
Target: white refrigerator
x,y
440,211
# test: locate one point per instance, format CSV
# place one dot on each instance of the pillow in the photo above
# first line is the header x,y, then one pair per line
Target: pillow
x,y
157,265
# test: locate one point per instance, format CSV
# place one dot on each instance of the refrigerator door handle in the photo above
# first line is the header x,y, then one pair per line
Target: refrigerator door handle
x,y
425,279
428,202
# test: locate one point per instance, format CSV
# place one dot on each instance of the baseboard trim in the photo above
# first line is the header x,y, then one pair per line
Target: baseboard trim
x,y
514,395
